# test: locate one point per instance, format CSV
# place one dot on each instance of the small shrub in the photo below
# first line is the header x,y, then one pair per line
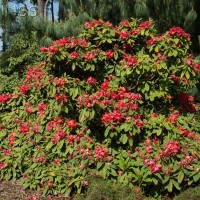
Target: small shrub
x,y
189,194
99,189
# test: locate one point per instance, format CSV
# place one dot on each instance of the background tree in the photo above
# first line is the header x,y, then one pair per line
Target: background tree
x,y
166,13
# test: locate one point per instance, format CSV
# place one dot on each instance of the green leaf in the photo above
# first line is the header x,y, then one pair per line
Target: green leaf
x,y
196,177
175,183
107,131
146,86
52,174
175,53
155,181
148,180
103,172
170,186
180,177
109,40
73,66
187,75
99,165
124,139
49,145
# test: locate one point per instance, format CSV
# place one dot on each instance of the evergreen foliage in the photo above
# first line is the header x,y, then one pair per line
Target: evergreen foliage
x,y
73,14
14,62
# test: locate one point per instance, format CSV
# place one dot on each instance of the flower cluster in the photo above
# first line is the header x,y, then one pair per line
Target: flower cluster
x,y
35,75
171,148
173,117
100,152
61,98
4,98
60,134
131,61
115,116
23,88
90,55
94,23
151,41
177,31
186,102
72,124
145,24
42,107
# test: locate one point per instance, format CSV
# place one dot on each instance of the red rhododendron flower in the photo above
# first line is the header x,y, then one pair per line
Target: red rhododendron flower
x,y
42,107
124,23
115,116
89,56
5,98
177,31
109,54
29,109
171,148
108,24
50,184
61,133
35,75
124,35
56,161
74,42
60,81
83,43
145,24
32,198
100,152
74,55
156,168
52,50
2,165
55,139
121,105
7,151
91,81
24,128
135,32
71,124
62,42
23,88
44,49
85,182
61,98
93,23
139,123
105,85
130,60
151,41
51,125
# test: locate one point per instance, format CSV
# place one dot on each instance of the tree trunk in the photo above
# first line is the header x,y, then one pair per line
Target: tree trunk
x,y
40,8
4,27
52,11
46,9
61,12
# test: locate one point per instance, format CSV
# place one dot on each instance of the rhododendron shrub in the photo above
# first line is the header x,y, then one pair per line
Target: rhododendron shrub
x,y
112,103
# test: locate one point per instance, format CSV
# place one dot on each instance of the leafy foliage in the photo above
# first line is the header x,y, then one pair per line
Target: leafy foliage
x,y
15,61
111,104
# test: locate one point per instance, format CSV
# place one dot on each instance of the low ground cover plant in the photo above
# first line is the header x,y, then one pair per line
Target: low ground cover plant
x,y
112,103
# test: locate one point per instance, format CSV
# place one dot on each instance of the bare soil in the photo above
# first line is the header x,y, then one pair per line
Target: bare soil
x,y
10,190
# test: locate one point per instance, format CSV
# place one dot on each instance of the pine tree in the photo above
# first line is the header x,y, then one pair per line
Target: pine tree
x,y
7,23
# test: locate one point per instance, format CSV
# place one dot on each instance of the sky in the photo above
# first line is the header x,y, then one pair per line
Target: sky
x,y
14,6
